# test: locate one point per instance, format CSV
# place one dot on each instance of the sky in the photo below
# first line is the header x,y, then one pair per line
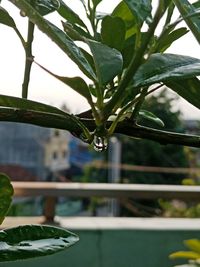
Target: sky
x,y
43,87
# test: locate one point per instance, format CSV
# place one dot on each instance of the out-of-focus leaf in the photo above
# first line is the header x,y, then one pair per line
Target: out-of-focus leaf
x,y
29,241
193,22
151,117
189,89
67,13
6,19
108,61
166,67
76,83
185,255
6,192
113,31
140,9
193,244
168,39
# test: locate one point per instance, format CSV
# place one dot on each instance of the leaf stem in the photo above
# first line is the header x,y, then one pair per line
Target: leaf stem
x,y
139,104
28,62
125,108
135,63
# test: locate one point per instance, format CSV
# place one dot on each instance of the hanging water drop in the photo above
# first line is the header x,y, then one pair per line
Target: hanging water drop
x,y
100,143
22,13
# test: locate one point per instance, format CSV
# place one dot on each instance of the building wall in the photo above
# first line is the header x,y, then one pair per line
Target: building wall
x,y
32,147
57,150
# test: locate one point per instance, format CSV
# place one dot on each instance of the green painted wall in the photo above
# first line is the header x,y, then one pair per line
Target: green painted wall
x,y
117,248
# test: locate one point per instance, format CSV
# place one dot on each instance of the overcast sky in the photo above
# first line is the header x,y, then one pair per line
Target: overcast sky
x,y
47,89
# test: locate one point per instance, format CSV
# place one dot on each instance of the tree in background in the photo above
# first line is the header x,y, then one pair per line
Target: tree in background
x,y
147,153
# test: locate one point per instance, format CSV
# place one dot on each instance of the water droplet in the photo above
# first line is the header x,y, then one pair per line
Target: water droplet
x,y
22,13
100,143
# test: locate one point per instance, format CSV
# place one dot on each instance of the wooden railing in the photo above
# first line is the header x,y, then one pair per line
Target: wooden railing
x,y
52,190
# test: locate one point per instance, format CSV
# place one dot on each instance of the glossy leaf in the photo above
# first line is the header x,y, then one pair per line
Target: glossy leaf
x,y
166,67
59,37
122,11
89,59
186,9
25,104
189,89
108,61
151,117
76,83
31,241
167,40
67,13
45,7
6,192
75,32
140,9
72,50
113,31
6,19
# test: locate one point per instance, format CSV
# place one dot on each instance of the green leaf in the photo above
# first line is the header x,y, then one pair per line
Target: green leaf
x,y
6,19
113,31
29,241
108,61
186,9
58,36
6,192
96,2
167,40
189,89
72,50
196,4
193,244
76,83
185,255
122,11
151,117
25,104
75,32
166,67
45,7
68,14
141,9
89,59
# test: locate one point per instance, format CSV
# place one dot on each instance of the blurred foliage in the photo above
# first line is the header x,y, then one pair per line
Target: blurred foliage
x,y
147,153
192,255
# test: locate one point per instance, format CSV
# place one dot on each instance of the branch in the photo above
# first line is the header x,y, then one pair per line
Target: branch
x,y
28,62
159,136
66,122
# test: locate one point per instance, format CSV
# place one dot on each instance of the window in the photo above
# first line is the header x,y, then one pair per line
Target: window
x,y
64,154
55,155
56,133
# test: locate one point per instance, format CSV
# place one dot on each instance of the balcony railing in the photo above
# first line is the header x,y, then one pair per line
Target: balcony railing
x,y
52,190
